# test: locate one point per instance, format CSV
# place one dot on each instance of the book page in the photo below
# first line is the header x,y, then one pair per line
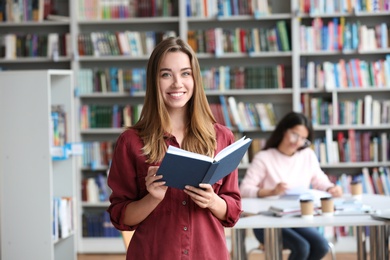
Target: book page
x,y
232,147
181,152
302,192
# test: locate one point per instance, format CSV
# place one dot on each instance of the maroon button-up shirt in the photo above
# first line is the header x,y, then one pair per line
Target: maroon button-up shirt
x,y
177,228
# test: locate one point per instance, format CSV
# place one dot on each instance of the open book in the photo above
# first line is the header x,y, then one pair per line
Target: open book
x,y
180,167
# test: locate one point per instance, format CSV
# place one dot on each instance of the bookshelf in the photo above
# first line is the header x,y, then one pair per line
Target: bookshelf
x,y
28,41
297,62
35,175
217,60
35,41
344,76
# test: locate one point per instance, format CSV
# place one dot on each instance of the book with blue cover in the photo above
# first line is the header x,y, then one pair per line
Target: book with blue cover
x,y
180,167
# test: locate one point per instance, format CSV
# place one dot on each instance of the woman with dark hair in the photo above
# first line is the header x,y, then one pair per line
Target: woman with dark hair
x,y
288,162
172,223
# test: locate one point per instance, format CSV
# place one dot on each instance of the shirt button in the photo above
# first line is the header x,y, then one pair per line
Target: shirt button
x,y
185,228
184,202
185,252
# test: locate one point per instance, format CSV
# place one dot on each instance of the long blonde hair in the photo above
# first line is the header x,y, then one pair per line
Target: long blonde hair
x,y
154,120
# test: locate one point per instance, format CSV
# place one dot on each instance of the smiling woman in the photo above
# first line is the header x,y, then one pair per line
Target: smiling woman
x,y
176,113
176,83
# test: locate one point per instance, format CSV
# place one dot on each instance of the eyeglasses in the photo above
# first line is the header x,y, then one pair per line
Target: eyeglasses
x,y
294,138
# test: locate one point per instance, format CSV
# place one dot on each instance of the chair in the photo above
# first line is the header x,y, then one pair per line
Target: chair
x,y
260,249
127,235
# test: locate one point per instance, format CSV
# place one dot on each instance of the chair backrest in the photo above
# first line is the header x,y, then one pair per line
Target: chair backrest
x,y
127,235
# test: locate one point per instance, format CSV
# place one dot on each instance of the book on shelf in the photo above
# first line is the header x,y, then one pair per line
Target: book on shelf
x,y
58,18
225,110
180,167
384,180
368,186
63,222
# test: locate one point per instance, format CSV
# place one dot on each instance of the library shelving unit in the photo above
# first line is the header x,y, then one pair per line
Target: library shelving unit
x,y
33,41
345,87
193,23
98,70
35,174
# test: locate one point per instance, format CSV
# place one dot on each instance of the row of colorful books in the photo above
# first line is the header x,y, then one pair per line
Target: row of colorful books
x,y
352,146
124,9
341,35
63,222
354,73
97,154
98,224
127,43
21,11
216,8
108,116
362,111
60,148
58,130
374,181
240,40
244,115
112,79
94,188
260,77
50,45
318,7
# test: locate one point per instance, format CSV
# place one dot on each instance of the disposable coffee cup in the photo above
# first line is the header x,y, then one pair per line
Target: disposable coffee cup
x,y
327,206
307,208
356,189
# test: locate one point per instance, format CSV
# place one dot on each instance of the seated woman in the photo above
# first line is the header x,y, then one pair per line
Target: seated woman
x,y
288,162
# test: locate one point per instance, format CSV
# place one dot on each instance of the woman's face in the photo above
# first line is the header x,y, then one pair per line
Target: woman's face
x,y
175,80
294,138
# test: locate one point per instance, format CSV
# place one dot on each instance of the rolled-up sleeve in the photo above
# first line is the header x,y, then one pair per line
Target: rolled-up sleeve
x,y
127,169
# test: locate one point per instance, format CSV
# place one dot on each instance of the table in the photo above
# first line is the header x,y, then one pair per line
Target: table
x,y
379,230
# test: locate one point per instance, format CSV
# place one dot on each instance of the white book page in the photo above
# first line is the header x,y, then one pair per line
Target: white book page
x,y
181,152
234,146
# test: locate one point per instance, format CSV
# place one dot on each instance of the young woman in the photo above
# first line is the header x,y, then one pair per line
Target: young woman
x,y
288,162
171,223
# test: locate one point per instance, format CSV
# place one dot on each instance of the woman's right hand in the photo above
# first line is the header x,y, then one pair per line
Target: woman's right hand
x,y
156,188
280,189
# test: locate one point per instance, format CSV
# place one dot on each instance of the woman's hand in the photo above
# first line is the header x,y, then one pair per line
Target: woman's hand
x,y
204,196
156,188
279,189
335,191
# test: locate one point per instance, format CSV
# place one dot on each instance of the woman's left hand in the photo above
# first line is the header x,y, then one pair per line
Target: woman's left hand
x,y
204,196
335,191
